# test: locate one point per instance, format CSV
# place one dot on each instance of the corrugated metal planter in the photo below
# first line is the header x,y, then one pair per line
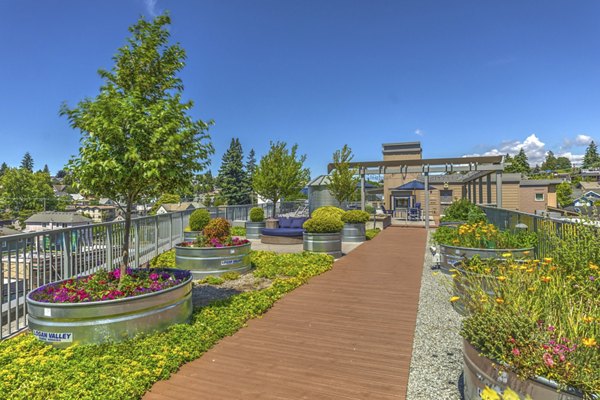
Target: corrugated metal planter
x,y
254,229
480,372
330,243
354,233
65,324
453,254
204,261
190,236
452,224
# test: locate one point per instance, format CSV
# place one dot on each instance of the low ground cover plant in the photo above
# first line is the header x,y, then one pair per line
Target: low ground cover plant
x,y
482,235
107,285
30,369
371,233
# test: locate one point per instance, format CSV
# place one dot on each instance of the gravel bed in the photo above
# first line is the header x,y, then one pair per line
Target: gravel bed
x,y
203,294
436,364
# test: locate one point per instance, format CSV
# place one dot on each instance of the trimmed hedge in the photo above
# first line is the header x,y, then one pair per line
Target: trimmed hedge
x,y
257,214
199,219
324,224
30,369
328,211
355,216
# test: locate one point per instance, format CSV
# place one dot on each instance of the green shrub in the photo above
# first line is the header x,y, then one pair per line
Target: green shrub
x,y
370,209
463,210
238,231
164,260
257,214
327,211
212,280
355,217
199,219
371,233
324,224
218,228
230,276
114,371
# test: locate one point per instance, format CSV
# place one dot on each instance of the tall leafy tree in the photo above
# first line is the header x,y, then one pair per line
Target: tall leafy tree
x,y
232,179
549,163
27,162
23,191
138,140
563,163
564,191
591,159
280,173
343,179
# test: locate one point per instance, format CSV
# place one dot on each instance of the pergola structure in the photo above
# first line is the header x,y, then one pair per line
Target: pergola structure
x,y
484,166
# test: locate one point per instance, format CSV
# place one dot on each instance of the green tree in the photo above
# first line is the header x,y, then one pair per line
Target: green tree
x,y
61,174
549,163
23,191
591,159
165,198
519,163
232,179
343,179
563,194
563,163
27,162
250,168
138,140
280,173
3,168
205,183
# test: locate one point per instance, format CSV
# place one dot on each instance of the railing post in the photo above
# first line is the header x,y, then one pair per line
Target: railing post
x,y
136,237
182,227
157,236
67,255
109,247
170,230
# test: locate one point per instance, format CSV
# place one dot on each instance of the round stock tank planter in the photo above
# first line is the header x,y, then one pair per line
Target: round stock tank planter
x,y
330,243
480,372
205,261
65,324
254,229
450,255
452,224
189,236
353,232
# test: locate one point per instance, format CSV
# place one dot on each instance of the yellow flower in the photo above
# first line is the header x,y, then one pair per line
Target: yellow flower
x,y
546,279
531,289
506,255
530,269
526,253
588,319
589,342
489,394
454,298
547,260
501,278
593,266
510,395
499,300
452,270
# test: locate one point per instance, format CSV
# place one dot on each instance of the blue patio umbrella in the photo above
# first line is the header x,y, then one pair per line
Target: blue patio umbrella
x,y
412,185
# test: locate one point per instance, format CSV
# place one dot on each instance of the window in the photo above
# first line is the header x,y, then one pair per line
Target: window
x,y
539,197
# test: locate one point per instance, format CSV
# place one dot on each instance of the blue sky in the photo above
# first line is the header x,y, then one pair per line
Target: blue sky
x,y
463,77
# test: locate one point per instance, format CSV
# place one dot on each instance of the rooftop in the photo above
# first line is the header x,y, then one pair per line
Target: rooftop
x,y
57,217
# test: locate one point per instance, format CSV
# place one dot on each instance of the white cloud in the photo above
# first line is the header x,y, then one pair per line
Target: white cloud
x,y
151,7
532,145
579,140
419,132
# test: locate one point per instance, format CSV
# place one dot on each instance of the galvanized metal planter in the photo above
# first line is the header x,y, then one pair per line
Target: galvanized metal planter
x,y
65,324
452,224
190,236
330,243
204,261
480,372
254,229
354,233
452,254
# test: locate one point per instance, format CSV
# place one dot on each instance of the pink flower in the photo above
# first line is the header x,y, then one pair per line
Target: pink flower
x,y
153,276
548,360
516,352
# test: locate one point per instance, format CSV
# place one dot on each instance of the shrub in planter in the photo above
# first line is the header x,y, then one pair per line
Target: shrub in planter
x,y
218,228
238,231
484,236
326,211
355,217
535,318
463,210
257,214
323,224
199,219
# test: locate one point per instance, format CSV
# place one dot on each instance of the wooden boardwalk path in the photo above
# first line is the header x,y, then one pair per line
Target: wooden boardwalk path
x,y
347,334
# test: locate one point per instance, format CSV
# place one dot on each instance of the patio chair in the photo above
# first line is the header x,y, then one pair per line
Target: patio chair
x,y
388,212
414,214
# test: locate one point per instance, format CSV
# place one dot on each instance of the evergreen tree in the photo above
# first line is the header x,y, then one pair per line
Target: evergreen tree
x,y
550,163
591,158
27,162
3,169
232,179
519,163
46,170
250,168
61,174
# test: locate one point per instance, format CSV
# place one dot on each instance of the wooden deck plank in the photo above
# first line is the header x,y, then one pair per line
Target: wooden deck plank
x,y
347,334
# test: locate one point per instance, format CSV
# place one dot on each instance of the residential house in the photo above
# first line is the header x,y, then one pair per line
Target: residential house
x,y
98,213
48,220
177,207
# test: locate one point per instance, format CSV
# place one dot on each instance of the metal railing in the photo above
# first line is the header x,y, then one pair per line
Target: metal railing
x,y
31,260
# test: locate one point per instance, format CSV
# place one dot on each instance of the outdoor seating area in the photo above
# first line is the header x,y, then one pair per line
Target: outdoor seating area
x,y
288,231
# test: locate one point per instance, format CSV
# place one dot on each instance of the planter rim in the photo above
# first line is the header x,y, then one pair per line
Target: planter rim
x,y
114,301
483,248
539,379
323,233
177,246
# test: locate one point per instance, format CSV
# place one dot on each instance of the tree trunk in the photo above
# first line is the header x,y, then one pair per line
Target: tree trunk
x,y
274,208
126,235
